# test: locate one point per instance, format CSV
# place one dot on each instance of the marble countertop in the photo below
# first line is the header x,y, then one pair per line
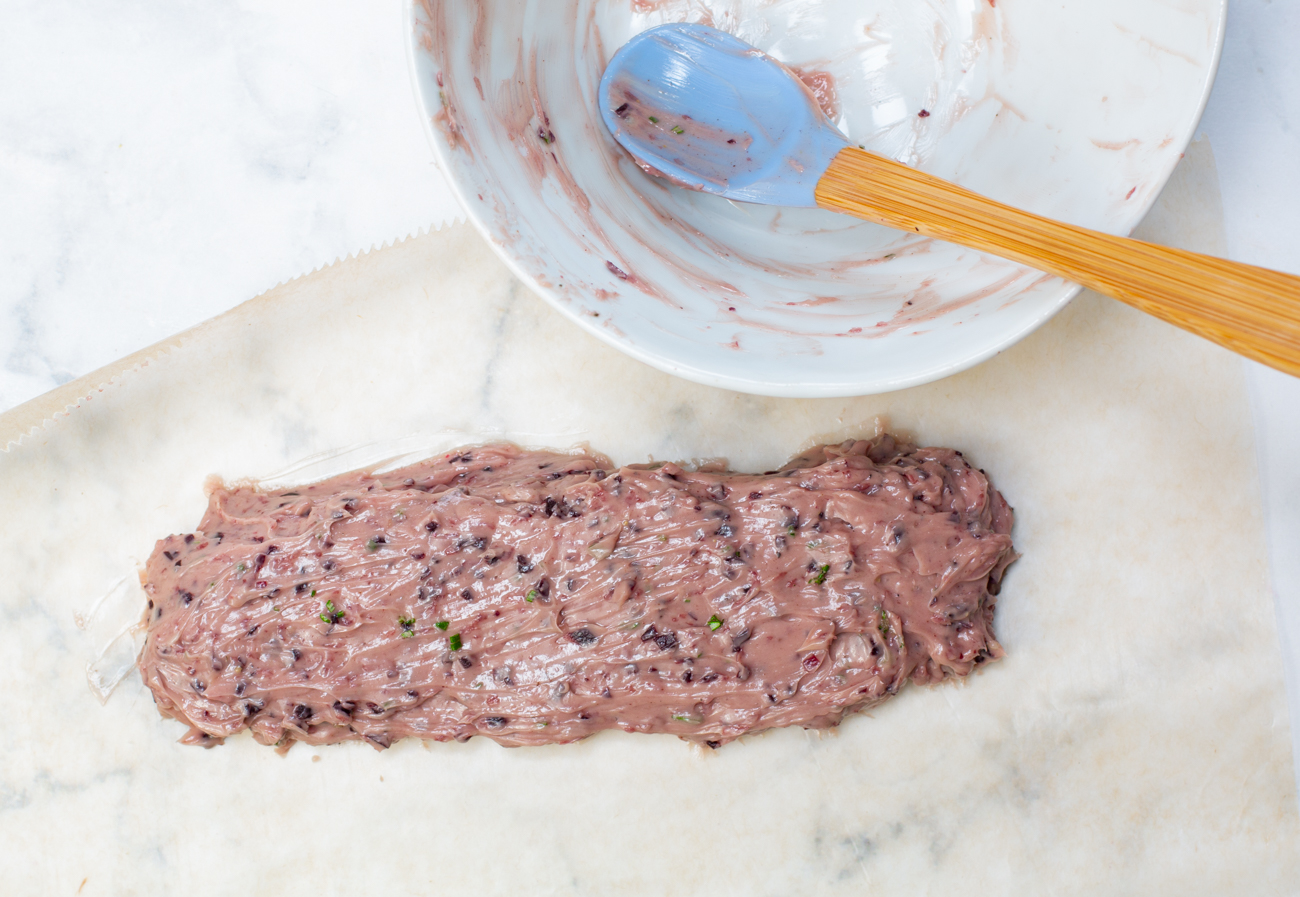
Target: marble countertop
x,y
161,163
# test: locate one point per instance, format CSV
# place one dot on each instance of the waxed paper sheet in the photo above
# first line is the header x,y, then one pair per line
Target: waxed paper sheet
x,y
1134,740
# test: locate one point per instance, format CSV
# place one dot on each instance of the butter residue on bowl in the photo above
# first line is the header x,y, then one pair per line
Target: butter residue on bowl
x,y
805,302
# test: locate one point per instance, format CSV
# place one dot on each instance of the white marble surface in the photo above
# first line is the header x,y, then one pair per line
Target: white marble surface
x,y
1253,121
161,162
1118,749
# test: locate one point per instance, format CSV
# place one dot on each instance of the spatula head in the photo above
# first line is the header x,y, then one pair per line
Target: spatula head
x,y
710,112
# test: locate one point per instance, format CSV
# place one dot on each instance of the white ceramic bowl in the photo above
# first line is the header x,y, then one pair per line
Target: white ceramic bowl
x,y
1076,109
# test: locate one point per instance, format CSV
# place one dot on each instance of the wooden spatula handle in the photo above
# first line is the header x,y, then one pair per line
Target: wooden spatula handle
x,y
1253,311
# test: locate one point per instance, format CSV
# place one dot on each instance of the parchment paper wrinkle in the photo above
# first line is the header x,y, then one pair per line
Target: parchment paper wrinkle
x,y
1134,741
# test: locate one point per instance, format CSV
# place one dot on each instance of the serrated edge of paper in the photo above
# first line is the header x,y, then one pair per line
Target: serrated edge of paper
x,y
25,422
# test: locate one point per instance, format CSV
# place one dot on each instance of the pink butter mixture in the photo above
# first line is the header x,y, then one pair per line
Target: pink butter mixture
x,y
536,597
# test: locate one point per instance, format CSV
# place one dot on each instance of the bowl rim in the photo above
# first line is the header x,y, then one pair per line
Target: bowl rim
x,y
777,388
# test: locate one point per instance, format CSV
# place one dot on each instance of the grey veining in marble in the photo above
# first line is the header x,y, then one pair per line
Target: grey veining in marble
x,y
1134,741
162,162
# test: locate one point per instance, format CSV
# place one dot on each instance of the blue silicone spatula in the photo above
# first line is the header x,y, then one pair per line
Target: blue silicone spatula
x,y
710,112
